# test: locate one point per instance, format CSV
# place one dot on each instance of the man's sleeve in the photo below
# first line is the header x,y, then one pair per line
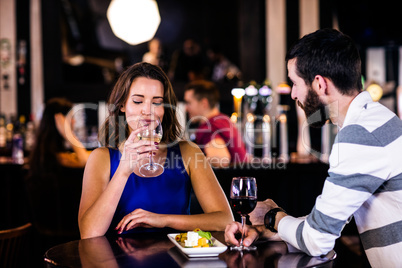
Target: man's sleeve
x,y
358,168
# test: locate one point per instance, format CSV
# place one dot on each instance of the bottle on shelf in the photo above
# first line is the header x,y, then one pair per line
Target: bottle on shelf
x,y
17,150
9,132
3,133
22,126
29,136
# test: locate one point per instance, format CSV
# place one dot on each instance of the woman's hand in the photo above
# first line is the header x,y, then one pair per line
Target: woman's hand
x,y
250,234
140,218
136,150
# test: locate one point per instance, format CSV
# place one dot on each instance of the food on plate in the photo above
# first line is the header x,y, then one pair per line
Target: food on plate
x,y
195,239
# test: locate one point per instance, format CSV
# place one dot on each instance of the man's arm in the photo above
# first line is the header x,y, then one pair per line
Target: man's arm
x,y
217,153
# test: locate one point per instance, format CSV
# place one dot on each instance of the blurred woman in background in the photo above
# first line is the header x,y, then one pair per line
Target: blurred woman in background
x,y
54,180
55,132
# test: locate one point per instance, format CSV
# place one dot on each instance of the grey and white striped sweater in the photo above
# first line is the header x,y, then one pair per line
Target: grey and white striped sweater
x,y
365,180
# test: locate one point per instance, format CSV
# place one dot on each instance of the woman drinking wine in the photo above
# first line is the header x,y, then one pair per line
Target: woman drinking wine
x,y
116,198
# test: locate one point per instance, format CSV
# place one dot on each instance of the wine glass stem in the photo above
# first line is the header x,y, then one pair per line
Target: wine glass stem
x,y
151,161
243,220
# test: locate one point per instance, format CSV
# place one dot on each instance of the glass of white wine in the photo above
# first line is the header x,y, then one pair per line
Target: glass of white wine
x,y
153,133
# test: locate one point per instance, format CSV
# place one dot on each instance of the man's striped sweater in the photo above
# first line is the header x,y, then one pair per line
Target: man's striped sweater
x,y
365,180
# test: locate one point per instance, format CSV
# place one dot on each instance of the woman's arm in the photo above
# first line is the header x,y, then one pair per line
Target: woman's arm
x,y
217,153
99,197
100,194
217,212
81,154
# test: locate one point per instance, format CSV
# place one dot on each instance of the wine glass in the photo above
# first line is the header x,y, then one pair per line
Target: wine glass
x,y
153,133
243,199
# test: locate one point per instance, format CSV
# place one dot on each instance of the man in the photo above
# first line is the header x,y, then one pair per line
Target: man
x,y
365,171
216,135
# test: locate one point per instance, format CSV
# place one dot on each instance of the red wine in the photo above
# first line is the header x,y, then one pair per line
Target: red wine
x,y
243,205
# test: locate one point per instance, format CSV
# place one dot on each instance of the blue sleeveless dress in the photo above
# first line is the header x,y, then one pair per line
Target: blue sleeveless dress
x,y
168,193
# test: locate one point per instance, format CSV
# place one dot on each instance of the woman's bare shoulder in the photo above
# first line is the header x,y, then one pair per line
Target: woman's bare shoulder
x,y
100,151
98,162
188,147
191,154
100,154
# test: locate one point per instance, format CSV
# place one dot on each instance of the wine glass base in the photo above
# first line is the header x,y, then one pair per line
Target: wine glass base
x,y
153,170
243,248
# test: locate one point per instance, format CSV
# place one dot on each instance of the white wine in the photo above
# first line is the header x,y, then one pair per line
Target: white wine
x,y
155,138
151,131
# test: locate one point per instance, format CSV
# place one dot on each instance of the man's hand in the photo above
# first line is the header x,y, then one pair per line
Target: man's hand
x,y
257,215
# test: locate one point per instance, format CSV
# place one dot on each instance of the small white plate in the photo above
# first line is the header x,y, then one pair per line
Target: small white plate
x,y
213,251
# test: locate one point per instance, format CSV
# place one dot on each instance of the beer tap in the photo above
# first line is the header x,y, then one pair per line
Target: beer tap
x,y
283,90
249,135
237,94
265,96
251,99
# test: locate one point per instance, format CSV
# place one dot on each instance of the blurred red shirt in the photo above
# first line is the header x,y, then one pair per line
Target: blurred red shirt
x,y
220,126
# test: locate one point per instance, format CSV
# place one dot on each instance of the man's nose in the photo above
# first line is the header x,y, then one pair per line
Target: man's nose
x,y
293,94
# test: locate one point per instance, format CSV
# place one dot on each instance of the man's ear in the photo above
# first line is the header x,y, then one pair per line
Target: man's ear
x,y
205,103
320,85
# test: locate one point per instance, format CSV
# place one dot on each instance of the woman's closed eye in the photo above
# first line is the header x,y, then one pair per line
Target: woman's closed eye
x,y
154,103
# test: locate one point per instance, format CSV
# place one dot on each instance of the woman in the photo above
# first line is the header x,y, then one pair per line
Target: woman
x,y
115,198
50,153
54,180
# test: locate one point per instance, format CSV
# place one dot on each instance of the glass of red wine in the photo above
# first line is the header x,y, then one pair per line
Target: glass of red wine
x,y
243,199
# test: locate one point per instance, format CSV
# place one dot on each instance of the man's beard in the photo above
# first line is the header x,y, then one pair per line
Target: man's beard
x,y
314,109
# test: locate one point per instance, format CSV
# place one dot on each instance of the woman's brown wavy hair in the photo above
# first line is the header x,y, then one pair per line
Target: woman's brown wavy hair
x,y
115,130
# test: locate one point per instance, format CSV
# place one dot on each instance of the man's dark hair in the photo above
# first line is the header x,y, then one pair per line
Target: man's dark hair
x,y
331,54
204,89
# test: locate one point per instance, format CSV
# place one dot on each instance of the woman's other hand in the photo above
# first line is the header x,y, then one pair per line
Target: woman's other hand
x,y
140,218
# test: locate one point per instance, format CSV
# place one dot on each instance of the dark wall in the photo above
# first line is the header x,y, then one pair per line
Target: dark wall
x,y
236,26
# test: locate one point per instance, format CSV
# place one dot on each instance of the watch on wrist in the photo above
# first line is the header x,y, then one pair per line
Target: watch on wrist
x,y
269,219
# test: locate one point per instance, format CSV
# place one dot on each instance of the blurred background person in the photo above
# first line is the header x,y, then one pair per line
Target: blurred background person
x,y
54,137
188,64
222,67
54,180
225,74
216,135
155,54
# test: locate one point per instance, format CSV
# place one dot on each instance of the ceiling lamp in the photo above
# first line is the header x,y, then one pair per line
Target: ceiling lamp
x,y
134,21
